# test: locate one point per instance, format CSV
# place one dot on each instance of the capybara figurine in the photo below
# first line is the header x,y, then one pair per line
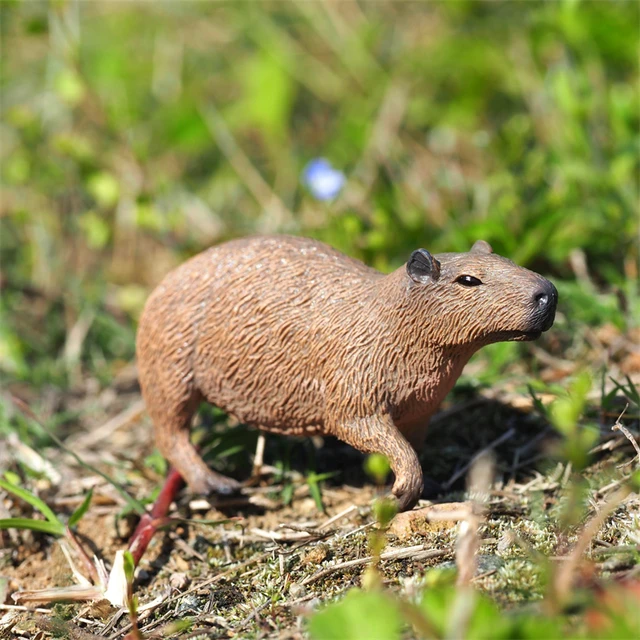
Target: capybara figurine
x,y
291,336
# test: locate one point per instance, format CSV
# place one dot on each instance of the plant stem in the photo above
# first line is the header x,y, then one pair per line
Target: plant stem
x,y
151,522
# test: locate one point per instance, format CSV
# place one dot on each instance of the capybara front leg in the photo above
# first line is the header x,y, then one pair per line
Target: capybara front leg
x,y
378,434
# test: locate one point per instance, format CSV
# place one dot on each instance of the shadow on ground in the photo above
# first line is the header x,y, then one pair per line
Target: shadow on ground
x,y
519,441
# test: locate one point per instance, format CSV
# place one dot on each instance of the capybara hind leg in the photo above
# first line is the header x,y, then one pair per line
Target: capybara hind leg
x,y
200,478
173,438
378,434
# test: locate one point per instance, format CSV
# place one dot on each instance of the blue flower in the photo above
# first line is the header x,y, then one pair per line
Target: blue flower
x,y
324,182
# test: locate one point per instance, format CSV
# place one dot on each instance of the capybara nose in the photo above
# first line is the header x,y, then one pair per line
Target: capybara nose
x,y
546,300
542,299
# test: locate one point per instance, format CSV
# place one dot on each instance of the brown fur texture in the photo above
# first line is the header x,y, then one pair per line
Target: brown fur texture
x,y
291,336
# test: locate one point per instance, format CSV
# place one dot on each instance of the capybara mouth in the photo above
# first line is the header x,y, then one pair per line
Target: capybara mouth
x,y
519,336
549,321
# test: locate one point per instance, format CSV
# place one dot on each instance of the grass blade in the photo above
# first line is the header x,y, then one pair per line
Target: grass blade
x,y
134,504
43,526
631,393
34,501
81,510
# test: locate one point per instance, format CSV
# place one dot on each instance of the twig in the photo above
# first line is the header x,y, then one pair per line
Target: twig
x,y
338,516
313,532
145,611
468,542
277,536
517,463
20,607
618,426
486,574
612,443
253,614
359,529
74,341
258,459
527,462
418,551
446,414
624,548
90,568
612,485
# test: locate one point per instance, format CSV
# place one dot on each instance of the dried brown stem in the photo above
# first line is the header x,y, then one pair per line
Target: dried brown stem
x,y
417,551
565,575
618,426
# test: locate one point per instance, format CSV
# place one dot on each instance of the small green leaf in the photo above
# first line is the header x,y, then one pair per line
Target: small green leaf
x,y
533,627
156,463
287,494
12,477
634,481
68,85
35,502
384,510
81,510
104,187
581,386
436,604
537,403
230,451
96,229
629,391
377,466
129,566
314,489
178,626
11,351
43,526
361,615
485,620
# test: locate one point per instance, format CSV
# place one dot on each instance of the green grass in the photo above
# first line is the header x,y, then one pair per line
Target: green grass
x,y
516,124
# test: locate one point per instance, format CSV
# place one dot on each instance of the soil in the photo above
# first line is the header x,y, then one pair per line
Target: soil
x,y
270,561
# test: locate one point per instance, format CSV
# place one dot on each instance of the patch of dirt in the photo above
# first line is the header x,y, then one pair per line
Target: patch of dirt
x,y
269,564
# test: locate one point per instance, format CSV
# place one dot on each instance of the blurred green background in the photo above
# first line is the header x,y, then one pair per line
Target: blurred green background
x,y
136,134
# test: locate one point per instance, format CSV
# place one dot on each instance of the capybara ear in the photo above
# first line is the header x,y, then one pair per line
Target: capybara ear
x,y
481,246
422,267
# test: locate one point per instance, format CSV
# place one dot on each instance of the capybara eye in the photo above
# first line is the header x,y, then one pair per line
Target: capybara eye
x,y
468,281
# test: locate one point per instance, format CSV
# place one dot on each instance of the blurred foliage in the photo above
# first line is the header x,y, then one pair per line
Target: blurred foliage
x,y
361,615
136,134
434,608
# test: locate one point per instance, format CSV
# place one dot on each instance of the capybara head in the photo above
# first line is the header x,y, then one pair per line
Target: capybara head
x,y
480,297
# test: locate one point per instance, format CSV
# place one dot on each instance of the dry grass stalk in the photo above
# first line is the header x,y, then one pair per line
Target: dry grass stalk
x,y
420,551
479,482
564,576
618,426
